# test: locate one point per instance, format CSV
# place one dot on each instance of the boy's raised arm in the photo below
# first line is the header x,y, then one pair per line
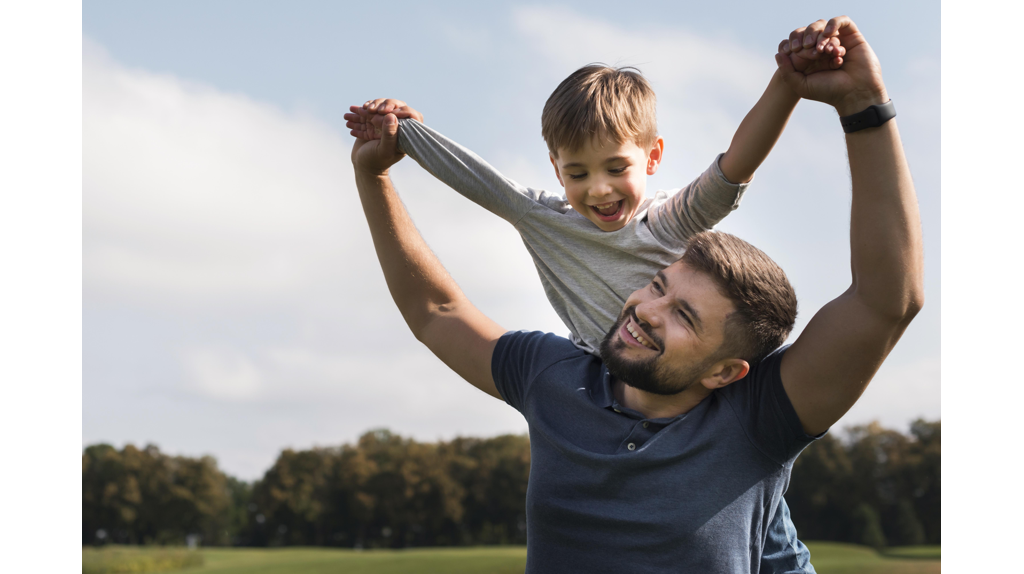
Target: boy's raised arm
x,y
762,126
432,304
456,166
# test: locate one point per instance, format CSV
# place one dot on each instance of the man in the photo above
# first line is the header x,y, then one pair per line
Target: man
x,y
672,455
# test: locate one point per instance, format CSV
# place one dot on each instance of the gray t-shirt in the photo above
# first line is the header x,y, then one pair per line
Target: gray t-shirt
x,y
612,491
587,273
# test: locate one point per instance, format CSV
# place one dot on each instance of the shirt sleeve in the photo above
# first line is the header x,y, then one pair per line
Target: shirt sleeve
x,y
697,207
520,356
783,552
764,410
465,172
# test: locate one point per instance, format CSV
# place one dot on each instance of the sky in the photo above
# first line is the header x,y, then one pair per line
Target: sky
x,y
232,304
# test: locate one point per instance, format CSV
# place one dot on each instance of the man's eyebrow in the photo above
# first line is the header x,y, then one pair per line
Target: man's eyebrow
x,y
697,323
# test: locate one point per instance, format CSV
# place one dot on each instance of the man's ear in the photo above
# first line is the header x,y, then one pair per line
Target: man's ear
x,y
724,373
558,174
655,156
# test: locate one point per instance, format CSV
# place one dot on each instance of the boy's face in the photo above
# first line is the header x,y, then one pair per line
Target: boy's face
x,y
606,180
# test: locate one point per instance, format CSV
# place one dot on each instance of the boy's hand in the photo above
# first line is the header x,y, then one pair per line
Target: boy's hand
x,y
811,50
375,157
851,89
366,121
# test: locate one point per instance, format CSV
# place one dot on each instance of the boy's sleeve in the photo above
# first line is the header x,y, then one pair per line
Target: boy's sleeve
x,y
697,207
464,171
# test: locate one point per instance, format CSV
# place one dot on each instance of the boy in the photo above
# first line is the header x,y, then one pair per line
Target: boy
x,y
605,239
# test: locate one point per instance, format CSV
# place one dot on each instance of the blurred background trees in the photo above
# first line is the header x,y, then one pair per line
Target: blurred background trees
x,y
872,486
877,487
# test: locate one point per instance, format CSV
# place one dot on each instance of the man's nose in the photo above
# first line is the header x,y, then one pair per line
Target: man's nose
x,y
647,312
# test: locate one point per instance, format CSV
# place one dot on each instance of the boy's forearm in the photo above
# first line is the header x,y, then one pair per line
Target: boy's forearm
x,y
759,131
463,171
418,282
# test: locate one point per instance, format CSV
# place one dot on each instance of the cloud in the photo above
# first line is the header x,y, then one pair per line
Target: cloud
x,y
205,211
679,59
192,195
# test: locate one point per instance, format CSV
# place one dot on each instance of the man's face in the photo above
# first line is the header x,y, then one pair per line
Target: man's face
x,y
606,181
670,332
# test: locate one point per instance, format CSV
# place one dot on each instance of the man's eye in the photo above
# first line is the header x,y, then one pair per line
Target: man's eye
x,y
655,287
685,319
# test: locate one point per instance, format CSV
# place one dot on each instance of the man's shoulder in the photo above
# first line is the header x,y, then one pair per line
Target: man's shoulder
x,y
524,360
762,407
761,376
536,344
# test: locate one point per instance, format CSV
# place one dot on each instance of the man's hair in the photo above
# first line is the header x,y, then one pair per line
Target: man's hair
x,y
600,102
765,301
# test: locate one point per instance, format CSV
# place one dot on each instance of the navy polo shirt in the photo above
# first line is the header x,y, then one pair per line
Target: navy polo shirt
x,y
611,491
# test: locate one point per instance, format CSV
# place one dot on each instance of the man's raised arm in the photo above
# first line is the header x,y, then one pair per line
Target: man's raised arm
x,y
432,304
825,371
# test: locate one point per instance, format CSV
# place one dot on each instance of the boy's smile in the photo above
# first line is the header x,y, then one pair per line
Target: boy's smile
x,y
606,181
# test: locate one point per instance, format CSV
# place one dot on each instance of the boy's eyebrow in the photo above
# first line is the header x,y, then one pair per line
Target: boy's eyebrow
x,y
697,323
608,160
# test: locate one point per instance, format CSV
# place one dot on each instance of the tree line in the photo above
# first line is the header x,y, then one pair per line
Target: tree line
x,y
873,486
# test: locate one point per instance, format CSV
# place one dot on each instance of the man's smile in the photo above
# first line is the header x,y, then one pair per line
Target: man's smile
x,y
636,336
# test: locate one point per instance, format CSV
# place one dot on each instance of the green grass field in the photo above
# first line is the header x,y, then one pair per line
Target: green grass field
x,y
827,557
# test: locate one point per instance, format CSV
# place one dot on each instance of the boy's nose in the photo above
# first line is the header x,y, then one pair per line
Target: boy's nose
x,y
601,190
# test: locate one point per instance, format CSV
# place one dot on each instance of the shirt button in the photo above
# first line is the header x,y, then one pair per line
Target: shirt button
x,y
631,446
646,424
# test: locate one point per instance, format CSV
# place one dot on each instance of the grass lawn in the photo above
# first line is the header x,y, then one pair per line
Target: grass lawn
x,y
839,558
827,557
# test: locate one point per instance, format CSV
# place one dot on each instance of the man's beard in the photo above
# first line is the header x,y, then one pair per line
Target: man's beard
x,y
647,374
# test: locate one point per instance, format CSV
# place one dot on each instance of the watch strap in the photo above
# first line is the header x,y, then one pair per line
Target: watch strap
x,y
872,117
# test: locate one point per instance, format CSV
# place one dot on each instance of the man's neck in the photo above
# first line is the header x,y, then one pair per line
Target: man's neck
x,y
654,406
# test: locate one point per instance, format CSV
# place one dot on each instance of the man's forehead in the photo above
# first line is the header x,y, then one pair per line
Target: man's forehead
x,y
698,288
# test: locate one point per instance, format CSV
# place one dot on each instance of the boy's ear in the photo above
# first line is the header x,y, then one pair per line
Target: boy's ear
x,y
558,174
655,155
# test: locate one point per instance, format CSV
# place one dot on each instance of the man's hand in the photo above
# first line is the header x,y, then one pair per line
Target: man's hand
x,y
811,51
850,89
367,121
377,156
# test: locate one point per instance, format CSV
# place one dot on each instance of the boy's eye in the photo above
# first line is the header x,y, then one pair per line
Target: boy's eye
x,y
617,170
577,175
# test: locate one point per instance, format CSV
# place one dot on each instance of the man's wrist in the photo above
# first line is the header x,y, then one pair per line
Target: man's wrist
x,y
858,102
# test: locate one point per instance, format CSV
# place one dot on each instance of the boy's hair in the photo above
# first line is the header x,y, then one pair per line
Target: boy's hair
x,y
764,299
598,101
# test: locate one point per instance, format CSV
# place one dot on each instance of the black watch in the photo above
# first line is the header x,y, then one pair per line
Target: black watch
x,y
872,117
